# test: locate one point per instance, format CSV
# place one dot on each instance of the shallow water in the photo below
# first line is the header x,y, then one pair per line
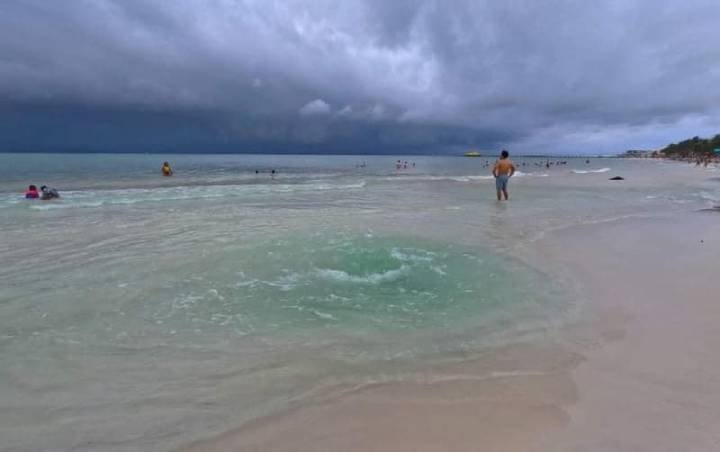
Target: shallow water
x,y
139,312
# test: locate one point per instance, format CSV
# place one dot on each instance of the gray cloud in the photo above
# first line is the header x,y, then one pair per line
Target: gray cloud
x,y
365,76
315,107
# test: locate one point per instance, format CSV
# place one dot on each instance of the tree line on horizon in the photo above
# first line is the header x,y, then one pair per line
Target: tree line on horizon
x,y
693,147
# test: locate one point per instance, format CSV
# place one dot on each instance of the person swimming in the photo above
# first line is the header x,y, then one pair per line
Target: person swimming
x,y
32,192
48,193
166,170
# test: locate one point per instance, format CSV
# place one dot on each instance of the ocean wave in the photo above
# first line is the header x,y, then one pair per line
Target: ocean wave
x,y
5,203
326,186
601,170
469,178
706,196
372,278
98,198
473,178
430,178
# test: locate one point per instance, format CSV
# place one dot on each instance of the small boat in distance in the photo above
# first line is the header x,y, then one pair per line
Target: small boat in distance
x,y
473,154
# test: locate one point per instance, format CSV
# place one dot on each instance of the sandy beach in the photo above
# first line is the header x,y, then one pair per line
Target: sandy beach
x,y
638,372
359,309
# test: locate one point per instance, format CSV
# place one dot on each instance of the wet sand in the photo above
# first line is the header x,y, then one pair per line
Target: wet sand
x,y
638,371
651,381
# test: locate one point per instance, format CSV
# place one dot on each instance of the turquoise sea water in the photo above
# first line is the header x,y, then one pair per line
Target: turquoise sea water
x,y
140,312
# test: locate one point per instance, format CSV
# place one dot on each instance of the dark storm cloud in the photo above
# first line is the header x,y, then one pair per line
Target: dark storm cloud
x,y
367,76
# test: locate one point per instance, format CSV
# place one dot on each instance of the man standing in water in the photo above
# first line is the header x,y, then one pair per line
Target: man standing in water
x,y
503,171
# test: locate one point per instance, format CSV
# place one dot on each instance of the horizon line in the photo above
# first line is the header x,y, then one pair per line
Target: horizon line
x,y
439,154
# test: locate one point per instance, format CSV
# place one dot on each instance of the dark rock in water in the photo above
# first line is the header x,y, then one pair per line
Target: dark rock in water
x,y
617,178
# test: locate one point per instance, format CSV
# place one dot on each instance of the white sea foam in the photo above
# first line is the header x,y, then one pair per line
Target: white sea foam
x,y
98,198
431,178
469,178
439,270
286,282
601,170
372,278
410,257
324,315
473,178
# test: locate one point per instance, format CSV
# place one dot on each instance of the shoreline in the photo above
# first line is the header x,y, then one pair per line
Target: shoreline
x,y
636,367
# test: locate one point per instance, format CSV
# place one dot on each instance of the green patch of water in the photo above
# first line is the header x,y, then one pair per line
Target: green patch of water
x,y
357,286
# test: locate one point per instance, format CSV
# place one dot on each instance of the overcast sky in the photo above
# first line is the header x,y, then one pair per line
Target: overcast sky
x,y
378,76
